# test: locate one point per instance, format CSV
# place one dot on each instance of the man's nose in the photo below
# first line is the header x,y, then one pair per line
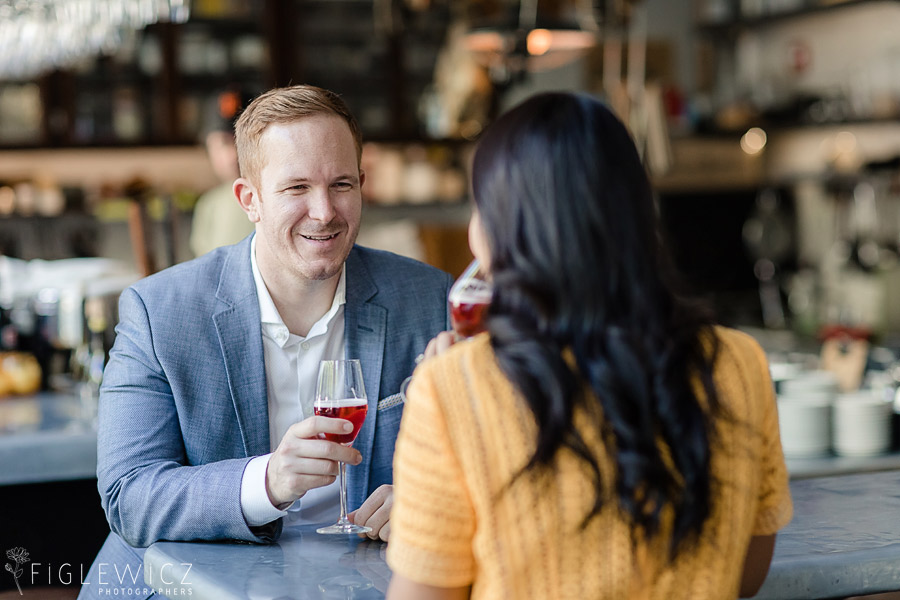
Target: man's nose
x,y
321,207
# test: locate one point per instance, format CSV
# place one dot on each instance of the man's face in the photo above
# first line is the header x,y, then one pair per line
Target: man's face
x,y
308,202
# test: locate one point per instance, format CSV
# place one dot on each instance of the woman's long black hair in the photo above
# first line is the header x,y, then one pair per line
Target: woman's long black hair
x,y
579,270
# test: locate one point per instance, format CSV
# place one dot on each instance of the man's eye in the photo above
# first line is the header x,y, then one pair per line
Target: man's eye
x,y
343,185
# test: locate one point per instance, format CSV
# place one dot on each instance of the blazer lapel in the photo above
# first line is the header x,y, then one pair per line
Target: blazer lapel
x,y
240,335
365,325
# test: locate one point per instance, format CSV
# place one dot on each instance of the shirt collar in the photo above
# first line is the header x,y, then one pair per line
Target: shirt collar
x,y
272,323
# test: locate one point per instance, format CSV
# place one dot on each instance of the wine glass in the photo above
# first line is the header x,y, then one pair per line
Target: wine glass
x,y
469,298
341,394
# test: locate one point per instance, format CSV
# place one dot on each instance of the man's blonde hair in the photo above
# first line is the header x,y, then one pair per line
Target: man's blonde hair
x,y
285,105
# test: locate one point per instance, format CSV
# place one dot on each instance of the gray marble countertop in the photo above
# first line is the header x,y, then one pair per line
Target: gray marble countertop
x,y
826,466
46,437
301,565
844,540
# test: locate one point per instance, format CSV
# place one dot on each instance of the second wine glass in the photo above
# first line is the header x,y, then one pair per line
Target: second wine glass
x,y
341,394
469,298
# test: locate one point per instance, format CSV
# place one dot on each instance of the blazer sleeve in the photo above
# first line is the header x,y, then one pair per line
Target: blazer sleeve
x,y
147,489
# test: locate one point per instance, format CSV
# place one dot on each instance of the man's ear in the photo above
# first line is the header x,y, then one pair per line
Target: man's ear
x,y
248,197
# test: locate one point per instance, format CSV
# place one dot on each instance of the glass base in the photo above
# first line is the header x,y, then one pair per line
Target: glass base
x,y
345,585
344,528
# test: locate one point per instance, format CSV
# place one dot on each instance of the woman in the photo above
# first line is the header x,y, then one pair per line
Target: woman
x,y
603,439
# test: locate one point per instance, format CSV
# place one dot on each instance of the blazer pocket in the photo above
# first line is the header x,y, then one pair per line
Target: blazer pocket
x,y
389,402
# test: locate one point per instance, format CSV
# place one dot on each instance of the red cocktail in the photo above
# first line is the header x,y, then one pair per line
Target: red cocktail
x,y
469,298
341,394
352,409
467,318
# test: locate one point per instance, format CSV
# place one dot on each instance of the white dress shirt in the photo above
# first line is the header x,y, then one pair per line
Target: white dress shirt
x,y
292,368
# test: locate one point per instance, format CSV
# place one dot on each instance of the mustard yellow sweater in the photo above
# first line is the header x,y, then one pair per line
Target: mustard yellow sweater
x,y
465,433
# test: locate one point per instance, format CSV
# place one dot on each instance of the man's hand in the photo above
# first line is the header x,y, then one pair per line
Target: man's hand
x,y
375,512
303,462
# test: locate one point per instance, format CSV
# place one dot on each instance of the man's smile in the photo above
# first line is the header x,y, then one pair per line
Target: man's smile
x,y
319,238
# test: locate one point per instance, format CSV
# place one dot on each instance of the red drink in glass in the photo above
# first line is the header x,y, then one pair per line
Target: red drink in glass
x,y
341,393
467,318
351,409
469,298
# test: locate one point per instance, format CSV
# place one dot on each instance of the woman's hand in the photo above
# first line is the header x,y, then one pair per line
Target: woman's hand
x,y
440,343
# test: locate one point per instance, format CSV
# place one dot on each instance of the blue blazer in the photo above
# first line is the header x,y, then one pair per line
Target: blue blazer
x,y
183,405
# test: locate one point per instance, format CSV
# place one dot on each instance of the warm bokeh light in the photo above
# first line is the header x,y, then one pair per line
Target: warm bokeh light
x,y
539,42
753,141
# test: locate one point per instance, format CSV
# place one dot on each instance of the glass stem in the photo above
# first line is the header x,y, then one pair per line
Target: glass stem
x,y
342,470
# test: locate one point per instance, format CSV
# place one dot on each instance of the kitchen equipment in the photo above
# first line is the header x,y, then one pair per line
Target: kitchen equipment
x,y
43,307
767,236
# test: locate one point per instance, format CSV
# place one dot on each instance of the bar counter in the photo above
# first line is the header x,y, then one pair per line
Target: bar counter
x,y
47,437
302,564
844,540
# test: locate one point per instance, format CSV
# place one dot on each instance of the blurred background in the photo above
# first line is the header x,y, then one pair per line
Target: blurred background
x,y
770,128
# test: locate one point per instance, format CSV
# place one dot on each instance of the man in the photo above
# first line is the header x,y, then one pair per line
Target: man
x,y
205,426
218,220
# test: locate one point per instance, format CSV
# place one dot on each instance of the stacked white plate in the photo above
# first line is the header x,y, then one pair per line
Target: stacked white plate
x,y
805,414
862,424
783,371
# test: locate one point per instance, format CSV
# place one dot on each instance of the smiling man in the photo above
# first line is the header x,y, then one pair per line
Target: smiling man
x,y
206,427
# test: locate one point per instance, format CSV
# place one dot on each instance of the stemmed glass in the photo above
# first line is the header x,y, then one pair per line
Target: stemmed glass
x,y
469,298
341,394
470,295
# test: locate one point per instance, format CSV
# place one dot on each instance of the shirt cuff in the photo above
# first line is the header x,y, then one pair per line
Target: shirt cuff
x,y
255,503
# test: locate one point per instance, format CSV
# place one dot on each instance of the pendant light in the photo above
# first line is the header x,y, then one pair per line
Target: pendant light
x,y
527,39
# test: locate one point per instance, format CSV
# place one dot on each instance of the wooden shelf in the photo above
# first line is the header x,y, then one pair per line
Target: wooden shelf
x,y
299,37
780,125
735,26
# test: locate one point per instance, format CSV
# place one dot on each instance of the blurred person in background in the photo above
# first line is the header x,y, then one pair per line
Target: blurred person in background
x,y
206,429
603,438
218,218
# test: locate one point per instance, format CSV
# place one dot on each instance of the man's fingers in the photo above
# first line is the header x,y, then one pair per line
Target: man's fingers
x,y
311,427
300,448
372,504
378,522
376,512
308,482
362,514
385,532
309,466
287,480
301,463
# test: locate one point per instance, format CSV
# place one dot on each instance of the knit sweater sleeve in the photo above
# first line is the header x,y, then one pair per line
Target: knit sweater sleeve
x,y
432,520
775,508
